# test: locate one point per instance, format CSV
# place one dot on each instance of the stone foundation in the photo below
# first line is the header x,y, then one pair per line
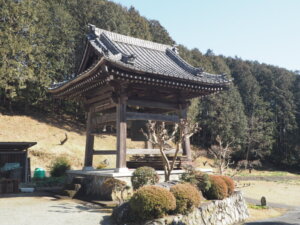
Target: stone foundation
x,y
232,210
93,179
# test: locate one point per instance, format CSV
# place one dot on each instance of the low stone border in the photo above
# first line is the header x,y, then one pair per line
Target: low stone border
x,y
232,210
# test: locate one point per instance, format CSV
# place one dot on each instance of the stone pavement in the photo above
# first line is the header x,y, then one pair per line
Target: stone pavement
x,y
46,210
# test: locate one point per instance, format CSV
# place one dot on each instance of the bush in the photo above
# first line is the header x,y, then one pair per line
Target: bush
x,y
111,186
59,167
152,202
218,189
144,176
230,184
198,178
187,197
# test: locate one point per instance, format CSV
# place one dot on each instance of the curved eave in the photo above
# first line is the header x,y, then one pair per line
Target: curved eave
x,y
130,73
85,74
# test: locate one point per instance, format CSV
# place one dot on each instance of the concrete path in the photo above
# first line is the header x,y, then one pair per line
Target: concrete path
x,y
46,210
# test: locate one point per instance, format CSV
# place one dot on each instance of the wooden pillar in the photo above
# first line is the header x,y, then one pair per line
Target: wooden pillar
x,y
89,145
186,146
121,133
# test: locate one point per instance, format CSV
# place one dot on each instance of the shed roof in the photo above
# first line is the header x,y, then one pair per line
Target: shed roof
x,y
16,145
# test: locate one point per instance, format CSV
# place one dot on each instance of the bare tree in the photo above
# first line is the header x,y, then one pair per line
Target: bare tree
x,y
222,155
158,135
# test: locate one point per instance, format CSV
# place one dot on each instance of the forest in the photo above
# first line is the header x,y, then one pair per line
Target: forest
x,y
42,42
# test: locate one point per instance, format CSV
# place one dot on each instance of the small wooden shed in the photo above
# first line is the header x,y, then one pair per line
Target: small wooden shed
x,y
14,161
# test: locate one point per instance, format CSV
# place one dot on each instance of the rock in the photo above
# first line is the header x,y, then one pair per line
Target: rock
x,y
121,214
263,201
168,184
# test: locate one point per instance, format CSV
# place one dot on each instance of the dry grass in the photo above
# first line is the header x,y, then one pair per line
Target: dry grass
x,y
260,214
275,192
48,132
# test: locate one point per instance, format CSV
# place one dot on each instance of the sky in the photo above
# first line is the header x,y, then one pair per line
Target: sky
x,y
264,30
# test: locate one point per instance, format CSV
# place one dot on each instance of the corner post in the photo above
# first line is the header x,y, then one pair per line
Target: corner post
x,y
89,145
121,133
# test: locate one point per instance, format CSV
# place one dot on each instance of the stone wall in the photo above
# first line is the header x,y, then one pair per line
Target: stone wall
x,y
231,210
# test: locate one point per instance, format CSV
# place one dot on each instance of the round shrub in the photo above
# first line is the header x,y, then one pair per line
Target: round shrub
x,y
152,202
59,166
187,197
144,176
198,178
230,184
218,189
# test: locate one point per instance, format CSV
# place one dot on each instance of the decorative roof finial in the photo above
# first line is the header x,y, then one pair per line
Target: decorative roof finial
x,y
175,49
92,27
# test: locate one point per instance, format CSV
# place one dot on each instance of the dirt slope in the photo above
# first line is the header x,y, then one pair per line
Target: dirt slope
x,y
48,132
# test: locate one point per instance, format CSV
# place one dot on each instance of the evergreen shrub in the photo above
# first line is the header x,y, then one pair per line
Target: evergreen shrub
x,y
230,184
144,176
187,197
152,202
59,166
201,180
218,189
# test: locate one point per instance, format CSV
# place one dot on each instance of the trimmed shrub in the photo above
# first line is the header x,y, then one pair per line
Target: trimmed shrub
x,y
198,178
152,202
230,184
144,176
187,197
114,189
59,166
218,189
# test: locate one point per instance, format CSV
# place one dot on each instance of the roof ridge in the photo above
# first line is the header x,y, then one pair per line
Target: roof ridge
x,y
129,40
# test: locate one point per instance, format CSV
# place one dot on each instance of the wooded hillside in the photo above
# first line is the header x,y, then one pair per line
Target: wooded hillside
x,y
42,42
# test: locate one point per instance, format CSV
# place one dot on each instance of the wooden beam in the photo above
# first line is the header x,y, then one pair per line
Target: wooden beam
x,y
149,151
105,118
152,116
121,132
152,104
100,106
99,98
89,145
104,152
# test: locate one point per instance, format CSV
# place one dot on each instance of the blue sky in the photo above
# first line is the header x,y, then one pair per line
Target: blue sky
x,y
264,30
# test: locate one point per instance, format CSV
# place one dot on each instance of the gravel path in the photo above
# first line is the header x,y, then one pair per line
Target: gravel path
x,y
46,210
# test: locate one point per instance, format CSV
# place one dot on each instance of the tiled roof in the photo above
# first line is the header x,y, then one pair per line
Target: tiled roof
x,y
136,56
147,56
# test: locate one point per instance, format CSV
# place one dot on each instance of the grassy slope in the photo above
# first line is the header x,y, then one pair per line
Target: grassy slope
x,y
48,132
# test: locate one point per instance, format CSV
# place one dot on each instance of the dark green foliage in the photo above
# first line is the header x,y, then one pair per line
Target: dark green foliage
x,y
218,189
201,180
59,167
49,181
42,42
187,197
144,176
151,202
